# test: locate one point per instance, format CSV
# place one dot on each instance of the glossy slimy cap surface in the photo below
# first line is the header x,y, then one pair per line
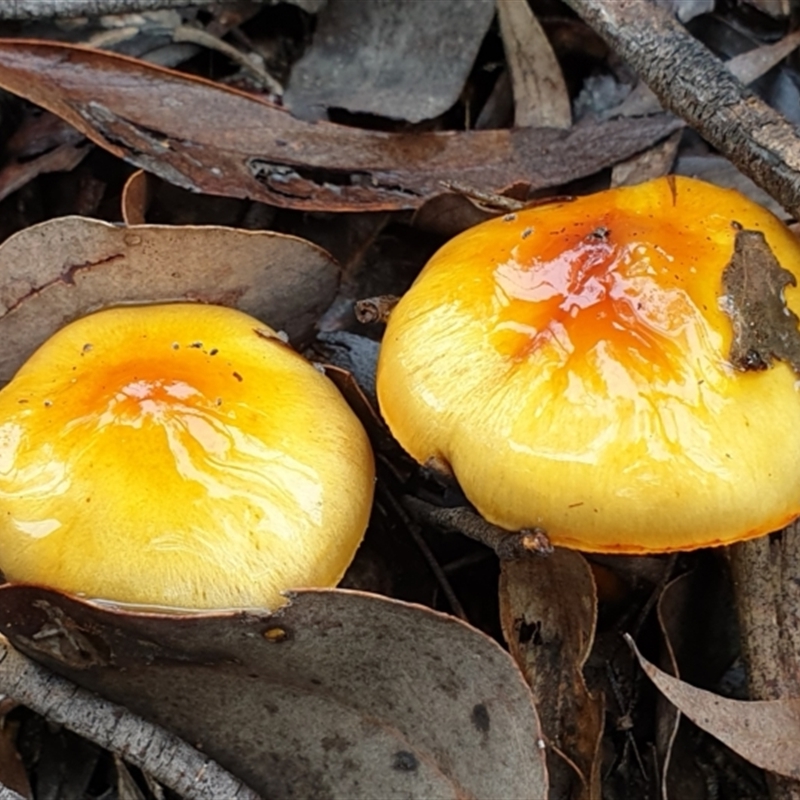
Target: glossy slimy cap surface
x,y
178,456
570,362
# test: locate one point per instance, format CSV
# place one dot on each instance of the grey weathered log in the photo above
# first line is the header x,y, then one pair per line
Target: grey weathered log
x,y
51,9
691,82
766,579
170,760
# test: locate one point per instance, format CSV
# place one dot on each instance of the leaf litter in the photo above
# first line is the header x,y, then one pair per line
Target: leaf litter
x,y
373,57
206,137
333,696
125,107
551,642
765,732
56,271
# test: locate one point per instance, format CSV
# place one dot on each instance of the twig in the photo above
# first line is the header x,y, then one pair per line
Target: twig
x,y
186,33
509,545
489,201
50,9
168,758
696,85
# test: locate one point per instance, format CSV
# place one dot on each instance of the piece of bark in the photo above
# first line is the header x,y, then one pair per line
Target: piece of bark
x,y
747,67
168,758
766,578
694,84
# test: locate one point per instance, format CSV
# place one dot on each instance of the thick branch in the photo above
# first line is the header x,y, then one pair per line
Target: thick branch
x,y
167,758
690,81
49,9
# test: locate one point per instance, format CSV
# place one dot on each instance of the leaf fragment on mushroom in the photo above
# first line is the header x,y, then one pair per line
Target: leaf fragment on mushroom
x,y
763,326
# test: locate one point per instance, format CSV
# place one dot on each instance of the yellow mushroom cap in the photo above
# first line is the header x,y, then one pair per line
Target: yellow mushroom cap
x,y
178,456
571,364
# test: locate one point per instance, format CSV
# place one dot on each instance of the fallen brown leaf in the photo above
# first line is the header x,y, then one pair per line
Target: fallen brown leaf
x,y
136,196
339,695
209,138
765,732
59,270
548,610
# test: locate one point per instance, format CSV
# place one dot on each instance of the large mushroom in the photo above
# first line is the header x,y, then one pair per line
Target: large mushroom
x,y
178,456
576,366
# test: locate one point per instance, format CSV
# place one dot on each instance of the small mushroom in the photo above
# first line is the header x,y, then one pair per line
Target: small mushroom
x,y
178,456
571,363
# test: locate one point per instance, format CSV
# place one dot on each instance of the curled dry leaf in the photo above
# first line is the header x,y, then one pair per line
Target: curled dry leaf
x,y
396,58
548,610
137,194
339,695
58,270
209,138
765,732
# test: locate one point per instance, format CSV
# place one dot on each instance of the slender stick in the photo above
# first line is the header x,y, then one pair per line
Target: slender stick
x,y
167,758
